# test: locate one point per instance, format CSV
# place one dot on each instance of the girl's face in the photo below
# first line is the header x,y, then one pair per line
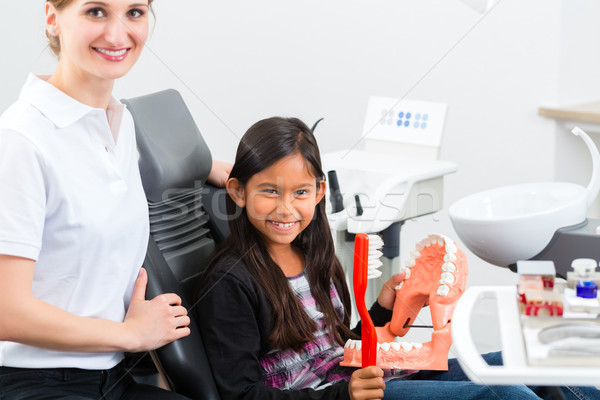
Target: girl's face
x,y
99,39
280,200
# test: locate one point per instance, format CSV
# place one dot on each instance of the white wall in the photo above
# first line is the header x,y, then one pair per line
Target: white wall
x,y
238,61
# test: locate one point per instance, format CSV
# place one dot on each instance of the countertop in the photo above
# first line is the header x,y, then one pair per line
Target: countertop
x,y
586,112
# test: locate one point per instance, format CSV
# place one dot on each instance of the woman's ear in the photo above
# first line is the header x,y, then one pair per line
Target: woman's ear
x,y
321,189
236,191
51,23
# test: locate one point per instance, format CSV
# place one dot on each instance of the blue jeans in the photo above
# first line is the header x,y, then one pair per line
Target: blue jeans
x,y
76,384
454,384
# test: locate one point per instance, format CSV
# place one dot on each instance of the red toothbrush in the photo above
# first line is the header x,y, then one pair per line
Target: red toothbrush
x,y
366,260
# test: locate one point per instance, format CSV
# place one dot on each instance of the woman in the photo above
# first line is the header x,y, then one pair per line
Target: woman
x,y
74,219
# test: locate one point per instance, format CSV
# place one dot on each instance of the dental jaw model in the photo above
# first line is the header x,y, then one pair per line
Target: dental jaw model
x,y
436,274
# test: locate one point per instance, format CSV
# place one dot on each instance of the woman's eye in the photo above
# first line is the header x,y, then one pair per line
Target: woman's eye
x,y
135,13
96,12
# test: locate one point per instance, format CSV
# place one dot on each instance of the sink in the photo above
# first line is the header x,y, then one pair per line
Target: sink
x,y
512,223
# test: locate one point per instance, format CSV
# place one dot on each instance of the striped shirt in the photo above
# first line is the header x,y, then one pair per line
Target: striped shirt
x,y
317,365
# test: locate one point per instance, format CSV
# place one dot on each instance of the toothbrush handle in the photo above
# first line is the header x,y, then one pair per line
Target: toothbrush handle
x,y
360,272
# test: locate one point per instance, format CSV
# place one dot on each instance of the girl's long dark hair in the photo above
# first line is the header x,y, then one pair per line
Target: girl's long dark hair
x,y
265,143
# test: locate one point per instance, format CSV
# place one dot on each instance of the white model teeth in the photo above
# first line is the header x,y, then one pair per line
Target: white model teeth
x,y
447,278
385,347
406,271
353,344
112,53
399,286
406,346
451,248
409,263
450,258
449,267
415,254
443,290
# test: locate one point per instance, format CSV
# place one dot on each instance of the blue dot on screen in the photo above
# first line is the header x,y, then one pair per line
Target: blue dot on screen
x,y
406,123
416,124
423,125
399,123
425,117
417,116
408,115
401,114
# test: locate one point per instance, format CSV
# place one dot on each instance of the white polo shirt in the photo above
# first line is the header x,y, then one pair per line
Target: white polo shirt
x,y
71,199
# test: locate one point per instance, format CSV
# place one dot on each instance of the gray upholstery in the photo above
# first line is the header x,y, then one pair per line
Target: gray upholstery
x,y
184,228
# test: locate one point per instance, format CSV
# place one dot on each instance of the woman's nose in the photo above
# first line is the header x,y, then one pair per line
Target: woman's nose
x,y
116,32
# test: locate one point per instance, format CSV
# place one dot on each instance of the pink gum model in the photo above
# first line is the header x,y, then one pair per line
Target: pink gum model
x,y
436,274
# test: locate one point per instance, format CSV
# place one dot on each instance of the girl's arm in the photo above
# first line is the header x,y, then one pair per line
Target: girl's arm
x,y
234,322
25,319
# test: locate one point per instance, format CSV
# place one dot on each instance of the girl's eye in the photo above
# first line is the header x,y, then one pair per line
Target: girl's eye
x,y
301,192
270,191
135,13
96,13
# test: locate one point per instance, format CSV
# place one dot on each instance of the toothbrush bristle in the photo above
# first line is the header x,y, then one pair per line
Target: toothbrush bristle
x,y
375,243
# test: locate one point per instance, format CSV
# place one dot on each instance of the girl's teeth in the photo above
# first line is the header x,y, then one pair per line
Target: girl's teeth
x,y
286,225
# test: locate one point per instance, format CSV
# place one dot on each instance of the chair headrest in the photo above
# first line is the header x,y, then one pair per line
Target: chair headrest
x,y
172,152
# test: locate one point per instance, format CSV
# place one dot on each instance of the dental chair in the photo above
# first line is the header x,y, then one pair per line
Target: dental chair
x,y
187,219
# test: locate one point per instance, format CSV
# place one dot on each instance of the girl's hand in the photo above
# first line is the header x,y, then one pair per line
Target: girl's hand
x,y
219,173
366,384
154,323
388,292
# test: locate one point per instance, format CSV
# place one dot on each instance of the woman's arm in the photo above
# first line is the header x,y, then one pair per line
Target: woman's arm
x,y
219,173
25,319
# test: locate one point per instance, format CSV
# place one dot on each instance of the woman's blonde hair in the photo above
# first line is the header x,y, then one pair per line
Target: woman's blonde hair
x,y
54,41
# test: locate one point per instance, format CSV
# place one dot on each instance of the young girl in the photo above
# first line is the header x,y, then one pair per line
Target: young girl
x,y
274,306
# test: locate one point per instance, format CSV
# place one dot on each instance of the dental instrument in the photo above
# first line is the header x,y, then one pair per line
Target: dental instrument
x,y
569,329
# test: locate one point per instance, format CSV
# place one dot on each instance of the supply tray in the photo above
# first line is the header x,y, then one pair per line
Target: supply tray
x,y
523,364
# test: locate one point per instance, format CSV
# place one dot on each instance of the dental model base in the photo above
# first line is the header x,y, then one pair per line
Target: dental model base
x,y
436,274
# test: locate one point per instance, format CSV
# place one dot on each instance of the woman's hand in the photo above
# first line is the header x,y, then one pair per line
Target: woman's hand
x,y
366,384
154,323
387,296
219,173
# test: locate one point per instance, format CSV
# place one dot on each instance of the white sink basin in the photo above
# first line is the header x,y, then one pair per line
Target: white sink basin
x,y
512,223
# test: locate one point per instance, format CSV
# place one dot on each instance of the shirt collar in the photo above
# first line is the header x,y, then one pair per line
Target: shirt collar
x,y
61,109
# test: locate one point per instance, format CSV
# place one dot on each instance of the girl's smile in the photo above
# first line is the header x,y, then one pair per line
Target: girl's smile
x,y
280,200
